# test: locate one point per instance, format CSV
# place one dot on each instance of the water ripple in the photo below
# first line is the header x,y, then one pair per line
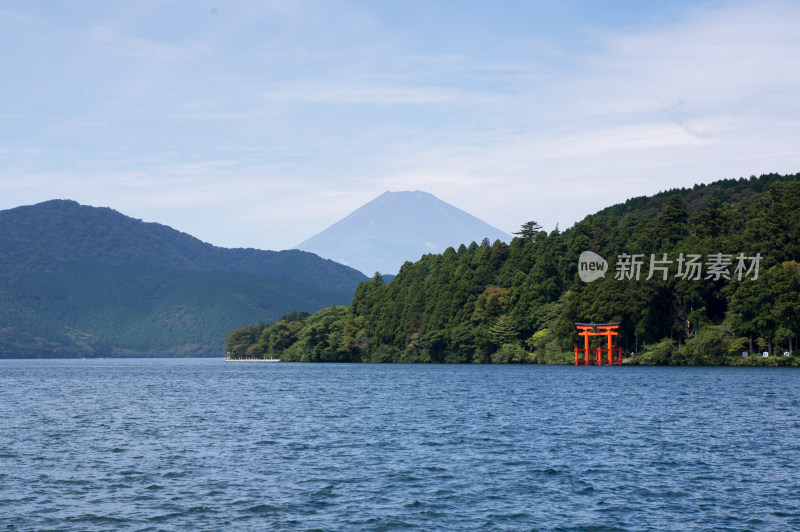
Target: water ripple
x,y
199,444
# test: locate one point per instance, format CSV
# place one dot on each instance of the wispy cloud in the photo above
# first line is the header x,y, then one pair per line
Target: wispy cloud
x,y
315,91
106,39
270,121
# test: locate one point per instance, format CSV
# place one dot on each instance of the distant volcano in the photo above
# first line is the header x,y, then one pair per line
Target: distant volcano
x,y
397,227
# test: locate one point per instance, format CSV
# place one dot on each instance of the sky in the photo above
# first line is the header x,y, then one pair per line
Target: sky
x,y
259,124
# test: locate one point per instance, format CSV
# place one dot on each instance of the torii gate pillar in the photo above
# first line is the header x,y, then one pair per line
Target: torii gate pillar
x,y
609,330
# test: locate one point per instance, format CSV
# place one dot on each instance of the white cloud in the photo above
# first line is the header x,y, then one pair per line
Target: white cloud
x,y
106,39
276,116
314,91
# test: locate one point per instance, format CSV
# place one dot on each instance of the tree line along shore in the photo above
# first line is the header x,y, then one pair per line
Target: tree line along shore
x,y
707,275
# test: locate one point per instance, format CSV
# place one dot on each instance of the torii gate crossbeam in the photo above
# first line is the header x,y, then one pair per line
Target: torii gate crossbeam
x,y
609,330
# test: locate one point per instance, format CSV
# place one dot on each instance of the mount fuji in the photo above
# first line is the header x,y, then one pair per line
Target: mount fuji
x,y
397,227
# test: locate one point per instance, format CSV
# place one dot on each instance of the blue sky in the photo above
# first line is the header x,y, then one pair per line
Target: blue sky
x,y
259,124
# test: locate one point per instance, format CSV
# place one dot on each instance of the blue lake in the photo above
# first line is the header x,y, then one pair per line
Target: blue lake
x,y
199,444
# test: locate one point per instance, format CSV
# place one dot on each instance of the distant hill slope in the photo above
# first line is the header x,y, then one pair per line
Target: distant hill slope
x,y
44,235
730,191
397,227
86,281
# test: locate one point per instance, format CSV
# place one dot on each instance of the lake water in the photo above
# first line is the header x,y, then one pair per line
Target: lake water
x,y
199,444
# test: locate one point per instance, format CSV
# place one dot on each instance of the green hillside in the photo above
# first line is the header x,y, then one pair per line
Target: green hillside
x,y
83,281
519,302
41,237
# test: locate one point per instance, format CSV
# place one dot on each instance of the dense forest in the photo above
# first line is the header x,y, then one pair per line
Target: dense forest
x,y
694,276
80,281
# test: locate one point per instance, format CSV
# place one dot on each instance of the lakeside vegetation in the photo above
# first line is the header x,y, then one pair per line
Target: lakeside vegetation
x,y
518,302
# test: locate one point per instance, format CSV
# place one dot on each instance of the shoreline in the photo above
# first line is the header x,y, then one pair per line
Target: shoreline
x,y
252,360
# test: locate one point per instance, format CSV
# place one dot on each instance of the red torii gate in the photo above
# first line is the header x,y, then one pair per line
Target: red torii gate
x,y
609,330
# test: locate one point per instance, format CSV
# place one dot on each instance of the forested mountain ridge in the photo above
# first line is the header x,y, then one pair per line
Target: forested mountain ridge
x,y
43,236
730,191
518,302
85,281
